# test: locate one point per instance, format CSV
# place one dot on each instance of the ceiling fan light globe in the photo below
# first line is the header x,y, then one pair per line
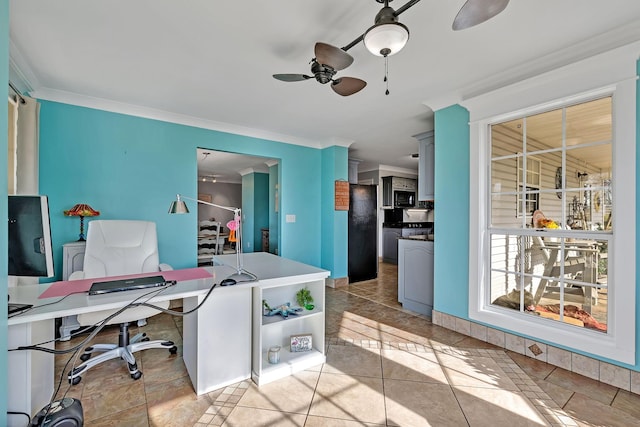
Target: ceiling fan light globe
x,y
387,38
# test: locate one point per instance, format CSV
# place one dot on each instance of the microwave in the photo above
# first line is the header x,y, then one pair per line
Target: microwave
x,y
404,199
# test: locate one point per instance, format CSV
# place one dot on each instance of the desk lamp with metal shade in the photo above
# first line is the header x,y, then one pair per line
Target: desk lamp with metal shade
x,y
178,206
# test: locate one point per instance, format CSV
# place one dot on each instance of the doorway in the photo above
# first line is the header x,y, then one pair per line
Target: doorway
x,y
238,181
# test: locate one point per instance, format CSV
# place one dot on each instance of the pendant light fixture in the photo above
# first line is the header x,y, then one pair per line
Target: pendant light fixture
x,y
387,36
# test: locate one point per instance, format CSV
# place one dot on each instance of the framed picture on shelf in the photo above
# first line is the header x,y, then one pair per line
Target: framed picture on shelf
x,y
302,342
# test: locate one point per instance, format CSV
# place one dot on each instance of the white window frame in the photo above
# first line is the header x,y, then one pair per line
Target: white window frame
x,y
611,73
524,189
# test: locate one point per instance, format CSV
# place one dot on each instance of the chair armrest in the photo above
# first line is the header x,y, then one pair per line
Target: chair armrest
x,y
76,275
165,267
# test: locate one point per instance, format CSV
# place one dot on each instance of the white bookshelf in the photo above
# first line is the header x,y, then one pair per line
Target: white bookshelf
x,y
270,331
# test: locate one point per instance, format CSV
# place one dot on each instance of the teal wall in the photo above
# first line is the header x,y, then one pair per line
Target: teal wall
x,y
637,216
334,223
255,210
274,209
132,167
261,208
248,210
451,266
451,275
4,77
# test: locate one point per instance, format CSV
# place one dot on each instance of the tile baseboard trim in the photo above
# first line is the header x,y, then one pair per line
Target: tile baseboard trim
x,y
607,373
341,282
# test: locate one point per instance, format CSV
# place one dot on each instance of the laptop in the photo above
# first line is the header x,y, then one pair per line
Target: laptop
x,y
15,308
109,286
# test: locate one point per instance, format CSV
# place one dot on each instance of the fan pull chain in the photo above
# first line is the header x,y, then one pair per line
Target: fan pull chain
x,y
386,73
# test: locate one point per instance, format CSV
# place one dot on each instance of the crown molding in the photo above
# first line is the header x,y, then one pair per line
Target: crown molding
x,y
103,104
20,74
397,169
620,37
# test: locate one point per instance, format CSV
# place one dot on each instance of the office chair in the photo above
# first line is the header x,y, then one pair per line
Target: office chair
x,y
115,248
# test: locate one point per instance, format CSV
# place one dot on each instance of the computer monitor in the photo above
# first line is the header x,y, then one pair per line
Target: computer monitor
x,y
29,238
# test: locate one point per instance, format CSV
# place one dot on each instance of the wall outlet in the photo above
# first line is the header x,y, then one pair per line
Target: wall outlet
x,y
291,218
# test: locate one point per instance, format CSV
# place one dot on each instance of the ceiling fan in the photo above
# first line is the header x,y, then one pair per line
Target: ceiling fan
x,y
329,60
385,38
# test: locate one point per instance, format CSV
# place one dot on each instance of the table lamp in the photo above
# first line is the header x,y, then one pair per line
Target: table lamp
x,y
81,210
178,206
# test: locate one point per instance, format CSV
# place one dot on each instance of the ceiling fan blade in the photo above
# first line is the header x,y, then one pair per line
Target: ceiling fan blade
x,y
332,56
291,77
475,12
346,86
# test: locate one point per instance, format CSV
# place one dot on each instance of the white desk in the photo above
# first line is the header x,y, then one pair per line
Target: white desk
x,y
216,339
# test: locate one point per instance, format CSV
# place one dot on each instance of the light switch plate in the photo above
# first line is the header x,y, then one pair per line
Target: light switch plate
x,y
291,218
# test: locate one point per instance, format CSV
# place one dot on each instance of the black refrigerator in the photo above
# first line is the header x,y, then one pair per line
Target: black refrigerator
x,y
363,236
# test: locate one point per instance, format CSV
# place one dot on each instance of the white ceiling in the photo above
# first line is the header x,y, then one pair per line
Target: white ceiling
x,y
210,63
229,167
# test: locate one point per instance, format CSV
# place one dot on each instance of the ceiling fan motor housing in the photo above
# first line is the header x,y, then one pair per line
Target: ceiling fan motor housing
x,y
323,73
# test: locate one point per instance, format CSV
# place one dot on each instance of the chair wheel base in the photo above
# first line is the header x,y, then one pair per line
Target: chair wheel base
x,y
173,350
137,375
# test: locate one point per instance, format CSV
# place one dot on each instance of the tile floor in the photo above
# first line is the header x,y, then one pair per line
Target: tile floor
x,y
385,367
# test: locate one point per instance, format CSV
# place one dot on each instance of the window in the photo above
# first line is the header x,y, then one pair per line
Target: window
x,y
553,263
591,202
528,196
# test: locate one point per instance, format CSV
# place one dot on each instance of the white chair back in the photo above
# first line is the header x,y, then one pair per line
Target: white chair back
x,y
119,247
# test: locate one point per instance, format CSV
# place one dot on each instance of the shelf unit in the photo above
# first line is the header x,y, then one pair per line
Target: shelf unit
x,y
269,331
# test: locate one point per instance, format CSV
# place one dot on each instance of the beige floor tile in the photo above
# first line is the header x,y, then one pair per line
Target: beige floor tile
x,y
176,406
497,408
559,395
589,412
353,361
532,367
290,394
404,365
627,402
313,421
102,403
350,398
245,417
132,417
421,404
384,340
166,368
474,371
601,392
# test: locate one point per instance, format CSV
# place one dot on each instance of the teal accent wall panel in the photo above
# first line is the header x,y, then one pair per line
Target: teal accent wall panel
x,y
4,93
451,260
274,208
334,223
132,167
261,208
255,210
248,212
637,216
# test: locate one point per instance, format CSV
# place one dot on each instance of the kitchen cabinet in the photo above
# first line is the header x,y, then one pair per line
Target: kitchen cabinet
x,y
415,275
395,183
390,238
426,165
272,331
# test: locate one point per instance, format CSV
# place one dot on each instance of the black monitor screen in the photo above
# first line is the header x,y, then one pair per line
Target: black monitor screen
x,y
29,237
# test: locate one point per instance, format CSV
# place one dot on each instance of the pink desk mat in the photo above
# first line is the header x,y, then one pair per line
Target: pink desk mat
x,y
64,288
